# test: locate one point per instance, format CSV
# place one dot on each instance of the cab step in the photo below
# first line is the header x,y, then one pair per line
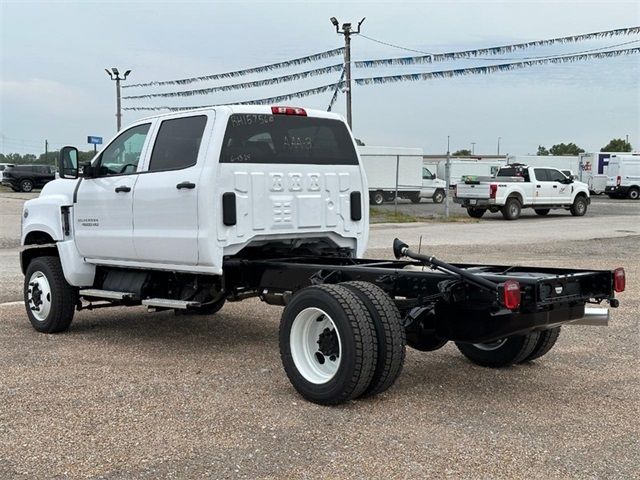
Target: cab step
x,y
169,303
107,294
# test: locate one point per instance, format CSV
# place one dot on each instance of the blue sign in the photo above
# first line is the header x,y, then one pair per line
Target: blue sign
x,y
94,140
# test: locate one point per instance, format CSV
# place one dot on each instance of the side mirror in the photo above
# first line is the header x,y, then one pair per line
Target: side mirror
x,y
68,162
433,176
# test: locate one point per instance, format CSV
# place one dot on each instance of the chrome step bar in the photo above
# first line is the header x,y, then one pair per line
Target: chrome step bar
x,y
169,303
107,294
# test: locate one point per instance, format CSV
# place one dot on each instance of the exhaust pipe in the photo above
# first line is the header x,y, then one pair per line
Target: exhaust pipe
x,y
598,317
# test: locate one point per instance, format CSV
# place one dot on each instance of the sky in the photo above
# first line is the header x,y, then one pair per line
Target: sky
x,y
53,54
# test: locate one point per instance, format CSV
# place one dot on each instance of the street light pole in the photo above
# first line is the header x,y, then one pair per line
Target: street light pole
x,y
347,32
114,74
473,148
447,179
499,138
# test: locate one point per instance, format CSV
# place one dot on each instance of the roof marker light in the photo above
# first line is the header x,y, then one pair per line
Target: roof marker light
x,y
288,111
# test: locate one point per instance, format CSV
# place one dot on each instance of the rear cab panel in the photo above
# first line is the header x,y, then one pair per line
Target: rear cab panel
x,y
291,176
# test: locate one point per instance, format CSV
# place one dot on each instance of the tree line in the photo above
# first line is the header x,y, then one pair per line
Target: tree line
x,y
50,158
615,145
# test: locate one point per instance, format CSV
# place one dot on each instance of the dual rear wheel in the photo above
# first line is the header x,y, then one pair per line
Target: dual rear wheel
x,y
340,342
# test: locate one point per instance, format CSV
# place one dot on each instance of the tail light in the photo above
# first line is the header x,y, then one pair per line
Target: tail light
x,y
493,190
619,280
511,294
289,111
618,180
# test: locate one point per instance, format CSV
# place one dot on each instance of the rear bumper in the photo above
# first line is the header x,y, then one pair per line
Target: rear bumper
x,y
475,202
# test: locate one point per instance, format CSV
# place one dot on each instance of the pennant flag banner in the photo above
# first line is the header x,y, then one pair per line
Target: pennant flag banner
x,y
239,73
262,101
492,68
334,97
238,86
439,57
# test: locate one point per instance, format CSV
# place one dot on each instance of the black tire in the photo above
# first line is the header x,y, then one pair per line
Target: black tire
x,y
633,193
476,212
415,198
377,198
208,309
390,335
421,336
513,349
547,340
62,296
26,185
579,206
512,209
438,196
358,352
542,211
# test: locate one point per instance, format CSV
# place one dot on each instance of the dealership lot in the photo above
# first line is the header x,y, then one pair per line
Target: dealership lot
x,y
129,394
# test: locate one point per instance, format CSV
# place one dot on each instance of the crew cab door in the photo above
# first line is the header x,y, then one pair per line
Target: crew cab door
x,y
103,211
165,209
543,192
561,187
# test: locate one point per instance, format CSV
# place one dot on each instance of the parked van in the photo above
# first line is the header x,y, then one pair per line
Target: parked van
x,y
623,177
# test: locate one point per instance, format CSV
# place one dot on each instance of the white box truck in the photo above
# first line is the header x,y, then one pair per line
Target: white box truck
x,y
391,169
460,168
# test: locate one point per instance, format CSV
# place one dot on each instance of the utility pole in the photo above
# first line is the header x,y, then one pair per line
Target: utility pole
x,y
347,32
114,74
46,151
499,138
447,178
473,148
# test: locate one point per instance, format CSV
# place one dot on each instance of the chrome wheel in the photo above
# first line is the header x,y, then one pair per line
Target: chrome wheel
x,y
39,296
489,346
315,345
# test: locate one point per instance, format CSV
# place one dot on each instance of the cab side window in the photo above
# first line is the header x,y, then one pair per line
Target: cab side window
x,y
123,154
178,143
541,174
555,175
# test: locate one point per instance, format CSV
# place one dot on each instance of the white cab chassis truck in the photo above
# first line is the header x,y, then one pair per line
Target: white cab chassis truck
x,y
519,186
190,210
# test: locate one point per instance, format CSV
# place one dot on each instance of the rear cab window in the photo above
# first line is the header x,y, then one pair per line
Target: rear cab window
x,y
287,139
514,172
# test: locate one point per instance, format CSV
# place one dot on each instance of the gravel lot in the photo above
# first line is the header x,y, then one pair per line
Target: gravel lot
x,y
127,394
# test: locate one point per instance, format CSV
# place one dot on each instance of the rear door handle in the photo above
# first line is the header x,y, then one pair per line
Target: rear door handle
x,y
188,185
123,188
538,186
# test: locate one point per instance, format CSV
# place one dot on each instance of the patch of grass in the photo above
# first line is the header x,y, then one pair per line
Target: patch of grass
x,y
385,216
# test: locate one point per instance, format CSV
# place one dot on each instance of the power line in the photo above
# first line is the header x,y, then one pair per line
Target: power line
x,y
238,73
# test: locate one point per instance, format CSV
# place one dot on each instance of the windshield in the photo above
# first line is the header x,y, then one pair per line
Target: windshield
x,y
253,138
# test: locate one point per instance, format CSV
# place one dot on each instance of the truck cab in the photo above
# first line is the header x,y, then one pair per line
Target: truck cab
x,y
623,179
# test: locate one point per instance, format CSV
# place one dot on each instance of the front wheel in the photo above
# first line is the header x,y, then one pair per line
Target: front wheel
x,y
438,196
377,198
579,207
500,353
50,301
476,212
328,344
634,193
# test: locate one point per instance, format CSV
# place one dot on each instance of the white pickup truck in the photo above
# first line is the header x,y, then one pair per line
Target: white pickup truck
x,y
518,186
189,210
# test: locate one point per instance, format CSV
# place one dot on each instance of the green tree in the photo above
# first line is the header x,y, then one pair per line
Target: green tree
x,y
565,149
462,153
542,150
617,145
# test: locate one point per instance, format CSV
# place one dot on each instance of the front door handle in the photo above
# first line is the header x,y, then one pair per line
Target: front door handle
x,y
555,186
123,188
538,186
188,185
